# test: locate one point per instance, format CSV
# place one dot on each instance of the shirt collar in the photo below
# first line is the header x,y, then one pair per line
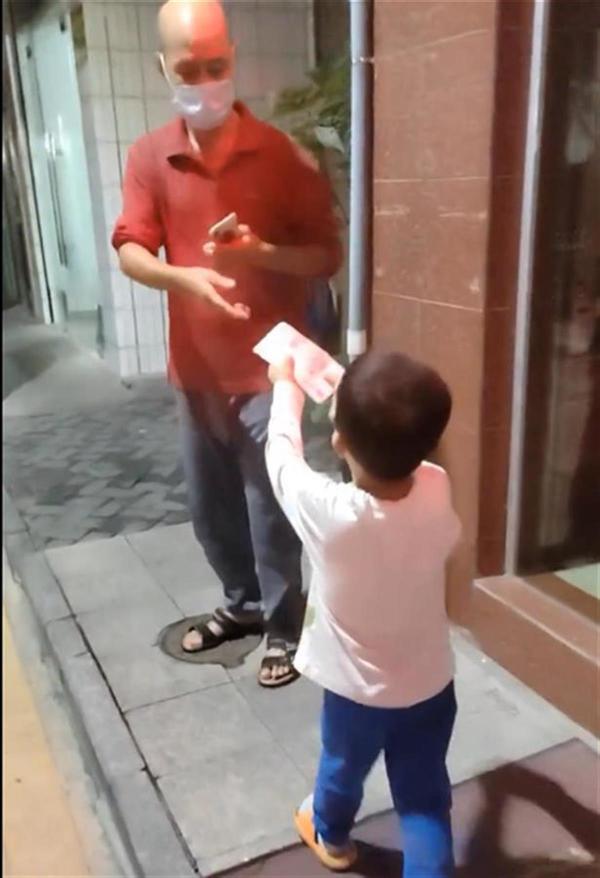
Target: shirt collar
x,y
249,139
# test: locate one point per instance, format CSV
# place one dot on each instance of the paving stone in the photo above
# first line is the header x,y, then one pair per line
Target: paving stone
x,y
66,639
56,544
128,628
179,565
490,716
106,573
213,724
292,718
170,506
148,676
31,570
134,526
198,600
239,802
65,528
94,535
296,707
12,522
144,511
117,493
112,743
251,665
157,847
109,509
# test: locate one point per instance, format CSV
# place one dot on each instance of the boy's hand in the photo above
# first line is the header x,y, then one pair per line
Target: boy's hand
x,y
282,371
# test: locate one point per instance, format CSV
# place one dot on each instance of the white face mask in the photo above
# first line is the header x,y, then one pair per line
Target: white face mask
x,y
204,106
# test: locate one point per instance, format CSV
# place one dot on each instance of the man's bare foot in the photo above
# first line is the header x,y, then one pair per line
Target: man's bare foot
x,y
277,667
221,627
194,641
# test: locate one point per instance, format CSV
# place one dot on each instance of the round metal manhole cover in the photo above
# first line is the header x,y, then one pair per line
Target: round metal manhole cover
x,y
230,655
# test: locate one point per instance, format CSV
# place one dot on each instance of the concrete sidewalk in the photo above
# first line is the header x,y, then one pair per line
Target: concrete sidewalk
x,y
204,766
201,767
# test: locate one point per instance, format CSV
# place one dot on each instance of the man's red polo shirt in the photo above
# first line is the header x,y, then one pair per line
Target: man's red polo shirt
x,y
171,200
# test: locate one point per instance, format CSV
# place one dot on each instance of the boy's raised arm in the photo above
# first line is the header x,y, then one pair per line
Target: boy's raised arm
x,y
300,491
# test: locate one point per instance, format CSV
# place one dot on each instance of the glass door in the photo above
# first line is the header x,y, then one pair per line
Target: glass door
x,y
52,104
560,478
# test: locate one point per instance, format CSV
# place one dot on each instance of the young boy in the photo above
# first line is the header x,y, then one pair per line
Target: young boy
x,y
376,633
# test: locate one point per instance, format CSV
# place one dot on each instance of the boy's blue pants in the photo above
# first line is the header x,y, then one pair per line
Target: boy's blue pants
x,y
414,741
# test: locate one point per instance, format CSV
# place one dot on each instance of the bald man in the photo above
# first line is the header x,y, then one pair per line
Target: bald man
x,y
212,159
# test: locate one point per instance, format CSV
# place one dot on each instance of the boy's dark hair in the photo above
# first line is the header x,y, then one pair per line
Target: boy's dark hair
x,y
391,412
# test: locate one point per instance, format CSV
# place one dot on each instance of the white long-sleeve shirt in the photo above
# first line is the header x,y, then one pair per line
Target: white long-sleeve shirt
x,y
376,629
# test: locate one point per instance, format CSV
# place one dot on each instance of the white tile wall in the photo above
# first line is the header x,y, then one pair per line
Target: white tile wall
x,y
121,291
154,83
152,359
244,29
150,326
125,328
143,298
128,362
147,13
108,158
94,23
123,30
159,111
123,153
249,78
104,120
127,74
112,204
131,119
98,73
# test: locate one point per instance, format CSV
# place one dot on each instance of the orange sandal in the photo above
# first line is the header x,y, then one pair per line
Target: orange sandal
x,y
303,821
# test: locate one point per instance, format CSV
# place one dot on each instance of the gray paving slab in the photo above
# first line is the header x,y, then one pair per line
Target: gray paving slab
x,y
251,665
293,719
157,846
174,735
291,714
114,747
66,640
30,568
148,676
128,628
12,521
106,573
195,601
178,563
236,806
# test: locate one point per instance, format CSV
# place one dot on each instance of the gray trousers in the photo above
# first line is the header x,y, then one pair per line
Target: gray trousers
x,y
237,520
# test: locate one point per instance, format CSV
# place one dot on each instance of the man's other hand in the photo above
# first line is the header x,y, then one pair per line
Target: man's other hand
x,y
204,284
246,249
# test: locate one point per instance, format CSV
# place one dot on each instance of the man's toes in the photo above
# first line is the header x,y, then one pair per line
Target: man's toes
x,y
192,640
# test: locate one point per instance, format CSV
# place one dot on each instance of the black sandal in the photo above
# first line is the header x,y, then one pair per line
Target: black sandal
x,y
282,657
231,629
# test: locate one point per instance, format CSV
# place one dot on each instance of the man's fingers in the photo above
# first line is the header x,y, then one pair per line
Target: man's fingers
x,y
219,280
237,311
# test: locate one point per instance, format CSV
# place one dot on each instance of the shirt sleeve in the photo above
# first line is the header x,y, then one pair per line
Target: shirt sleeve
x,y
139,222
312,216
302,493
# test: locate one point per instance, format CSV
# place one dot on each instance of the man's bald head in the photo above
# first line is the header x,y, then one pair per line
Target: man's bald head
x,y
186,24
195,41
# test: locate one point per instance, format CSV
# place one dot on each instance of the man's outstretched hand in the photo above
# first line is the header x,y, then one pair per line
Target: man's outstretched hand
x,y
204,284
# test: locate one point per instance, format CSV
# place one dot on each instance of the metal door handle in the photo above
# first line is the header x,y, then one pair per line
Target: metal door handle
x,y
54,191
